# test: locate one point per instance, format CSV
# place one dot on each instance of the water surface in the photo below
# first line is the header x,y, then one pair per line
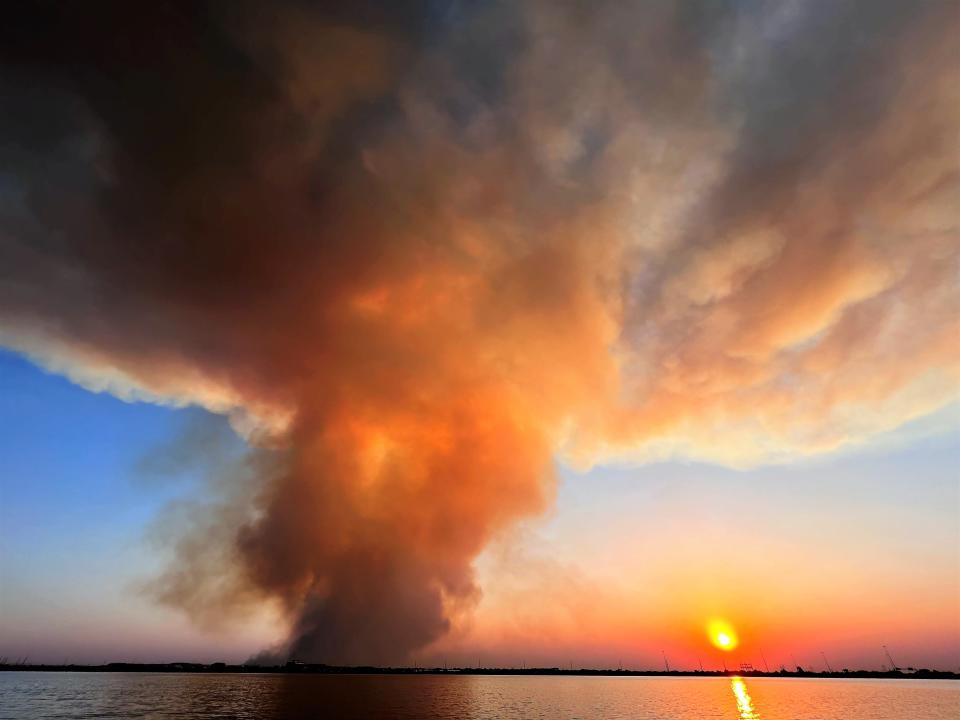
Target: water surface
x,y
26,695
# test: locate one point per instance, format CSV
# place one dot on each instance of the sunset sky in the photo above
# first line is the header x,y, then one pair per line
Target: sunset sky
x,y
492,333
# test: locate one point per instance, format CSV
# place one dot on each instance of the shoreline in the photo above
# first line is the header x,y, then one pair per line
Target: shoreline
x,y
317,669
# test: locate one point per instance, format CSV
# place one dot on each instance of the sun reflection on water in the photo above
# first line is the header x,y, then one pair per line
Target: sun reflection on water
x,y
744,702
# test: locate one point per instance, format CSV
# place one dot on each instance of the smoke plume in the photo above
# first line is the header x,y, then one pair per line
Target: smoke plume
x,y
416,251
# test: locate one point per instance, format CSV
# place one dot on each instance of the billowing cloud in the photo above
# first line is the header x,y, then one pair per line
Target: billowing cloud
x,y
419,252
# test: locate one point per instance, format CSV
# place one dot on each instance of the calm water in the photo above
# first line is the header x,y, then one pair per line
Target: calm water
x,y
377,697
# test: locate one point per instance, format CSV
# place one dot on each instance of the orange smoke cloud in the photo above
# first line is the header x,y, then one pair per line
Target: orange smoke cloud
x,y
416,255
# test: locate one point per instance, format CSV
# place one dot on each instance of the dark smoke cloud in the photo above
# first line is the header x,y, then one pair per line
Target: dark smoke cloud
x,y
414,250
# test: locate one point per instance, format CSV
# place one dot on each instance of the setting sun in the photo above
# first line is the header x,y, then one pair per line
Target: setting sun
x,y
722,634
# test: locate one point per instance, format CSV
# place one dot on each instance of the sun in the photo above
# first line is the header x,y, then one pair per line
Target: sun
x,y
722,634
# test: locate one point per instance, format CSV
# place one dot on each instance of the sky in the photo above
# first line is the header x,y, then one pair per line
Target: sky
x,y
481,332
632,560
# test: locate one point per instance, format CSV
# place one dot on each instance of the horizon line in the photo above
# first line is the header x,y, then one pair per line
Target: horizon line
x,y
296,667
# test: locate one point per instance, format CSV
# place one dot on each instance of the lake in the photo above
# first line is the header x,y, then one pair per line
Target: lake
x,y
26,695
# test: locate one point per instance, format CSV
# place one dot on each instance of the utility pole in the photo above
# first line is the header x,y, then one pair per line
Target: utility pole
x,y
766,667
666,663
700,663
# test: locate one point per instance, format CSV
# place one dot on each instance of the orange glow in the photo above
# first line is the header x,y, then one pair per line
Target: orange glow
x,y
722,634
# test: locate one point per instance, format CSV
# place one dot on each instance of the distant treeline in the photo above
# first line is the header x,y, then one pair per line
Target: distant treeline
x,y
319,669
